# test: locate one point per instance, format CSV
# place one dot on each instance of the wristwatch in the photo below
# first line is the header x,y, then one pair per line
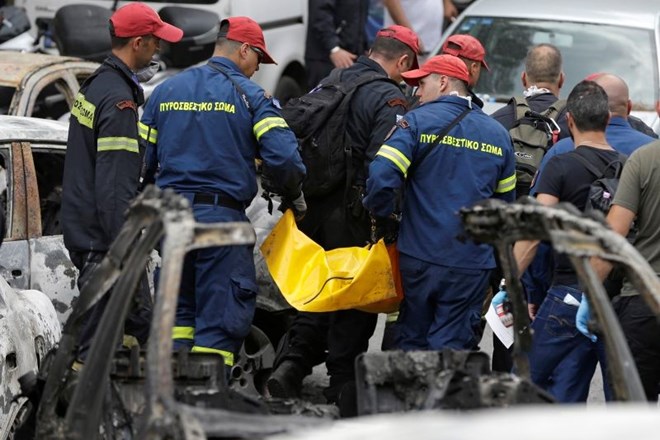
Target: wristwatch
x,y
335,49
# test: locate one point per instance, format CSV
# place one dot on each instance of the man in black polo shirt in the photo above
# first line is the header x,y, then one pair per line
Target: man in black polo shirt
x,y
562,360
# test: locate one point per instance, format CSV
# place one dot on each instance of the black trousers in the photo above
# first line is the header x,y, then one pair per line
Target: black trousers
x,y
642,331
334,337
137,322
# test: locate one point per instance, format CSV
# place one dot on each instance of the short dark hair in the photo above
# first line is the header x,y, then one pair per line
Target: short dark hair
x,y
119,42
391,48
588,106
115,41
543,63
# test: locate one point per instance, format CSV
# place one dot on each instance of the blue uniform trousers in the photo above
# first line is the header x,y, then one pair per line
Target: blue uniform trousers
x,y
562,360
441,307
218,292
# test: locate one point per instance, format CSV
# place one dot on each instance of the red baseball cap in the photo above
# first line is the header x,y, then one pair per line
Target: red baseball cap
x,y
404,35
246,30
137,19
467,47
594,76
443,64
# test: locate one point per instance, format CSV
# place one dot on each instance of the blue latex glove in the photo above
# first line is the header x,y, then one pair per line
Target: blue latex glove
x,y
582,319
497,303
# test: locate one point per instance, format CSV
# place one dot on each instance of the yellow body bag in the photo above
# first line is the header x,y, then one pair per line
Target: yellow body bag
x,y
314,280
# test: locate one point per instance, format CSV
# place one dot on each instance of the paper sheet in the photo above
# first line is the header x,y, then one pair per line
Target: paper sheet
x,y
503,333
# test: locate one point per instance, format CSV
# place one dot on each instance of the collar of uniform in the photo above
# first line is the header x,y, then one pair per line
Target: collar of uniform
x,y
116,63
370,64
544,97
227,63
619,120
457,100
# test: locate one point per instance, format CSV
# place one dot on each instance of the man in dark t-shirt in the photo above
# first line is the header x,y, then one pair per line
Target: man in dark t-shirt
x,y
563,360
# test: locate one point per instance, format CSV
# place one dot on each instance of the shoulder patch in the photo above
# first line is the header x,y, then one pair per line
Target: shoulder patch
x,y
122,105
402,123
398,101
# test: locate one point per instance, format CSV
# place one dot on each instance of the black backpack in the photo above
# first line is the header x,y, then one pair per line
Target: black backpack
x,y
319,121
532,134
603,188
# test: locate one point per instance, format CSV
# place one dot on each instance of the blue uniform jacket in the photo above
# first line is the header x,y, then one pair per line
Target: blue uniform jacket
x,y
205,138
473,162
620,135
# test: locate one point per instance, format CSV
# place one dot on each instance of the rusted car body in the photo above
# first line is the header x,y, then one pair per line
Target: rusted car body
x,y
33,254
40,85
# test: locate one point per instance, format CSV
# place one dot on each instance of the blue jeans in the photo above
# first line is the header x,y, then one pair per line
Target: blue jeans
x,y
441,307
562,360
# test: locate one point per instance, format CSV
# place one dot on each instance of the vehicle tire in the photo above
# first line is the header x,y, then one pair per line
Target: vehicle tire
x,y
288,88
22,423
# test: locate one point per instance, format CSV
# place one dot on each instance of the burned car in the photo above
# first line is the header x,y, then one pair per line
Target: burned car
x,y
29,329
32,153
40,85
164,394
33,254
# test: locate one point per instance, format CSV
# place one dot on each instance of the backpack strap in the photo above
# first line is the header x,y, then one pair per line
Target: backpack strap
x,y
616,165
349,87
244,96
437,140
522,109
557,107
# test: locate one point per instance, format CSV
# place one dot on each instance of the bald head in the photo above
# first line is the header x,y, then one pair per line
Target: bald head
x,y
618,98
543,65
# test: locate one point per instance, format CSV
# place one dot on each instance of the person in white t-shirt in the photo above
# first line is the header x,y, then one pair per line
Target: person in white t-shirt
x,y
425,17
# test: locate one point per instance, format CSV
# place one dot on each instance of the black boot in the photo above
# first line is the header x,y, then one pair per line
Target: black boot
x,y
286,380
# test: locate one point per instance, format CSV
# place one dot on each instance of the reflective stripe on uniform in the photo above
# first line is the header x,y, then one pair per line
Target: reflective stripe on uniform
x,y
183,332
147,133
229,357
397,157
506,185
117,144
392,317
266,124
83,111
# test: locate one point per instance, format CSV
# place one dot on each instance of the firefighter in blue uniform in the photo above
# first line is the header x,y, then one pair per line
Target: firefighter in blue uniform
x,y
103,161
444,279
204,128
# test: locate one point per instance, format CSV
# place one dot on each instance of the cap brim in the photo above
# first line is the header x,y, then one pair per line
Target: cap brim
x,y
267,58
483,63
412,77
169,33
415,63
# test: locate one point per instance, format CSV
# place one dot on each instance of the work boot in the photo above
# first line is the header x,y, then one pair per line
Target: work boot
x,y
286,380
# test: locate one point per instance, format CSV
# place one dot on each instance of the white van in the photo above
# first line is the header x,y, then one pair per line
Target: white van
x,y
283,22
593,36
